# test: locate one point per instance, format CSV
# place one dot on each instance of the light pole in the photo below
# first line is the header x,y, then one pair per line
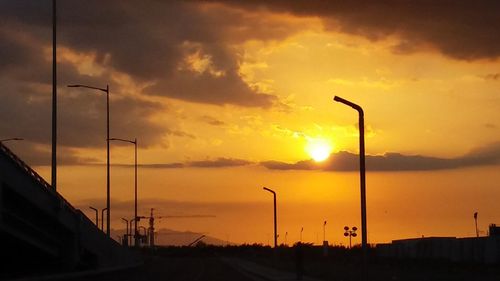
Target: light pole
x,y
301,230
145,233
286,236
134,142
324,231
351,233
125,240
275,217
102,218
362,171
106,90
96,216
130,227
475,220
54,97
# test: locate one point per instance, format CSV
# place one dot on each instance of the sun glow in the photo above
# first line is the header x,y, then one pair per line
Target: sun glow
x,y
318,149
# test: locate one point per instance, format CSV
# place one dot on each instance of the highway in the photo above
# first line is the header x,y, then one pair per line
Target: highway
x,y
176,269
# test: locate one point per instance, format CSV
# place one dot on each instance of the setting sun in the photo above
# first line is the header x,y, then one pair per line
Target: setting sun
x,y
318,149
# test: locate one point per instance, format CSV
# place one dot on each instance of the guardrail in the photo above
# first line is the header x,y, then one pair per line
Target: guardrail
x,y
33,175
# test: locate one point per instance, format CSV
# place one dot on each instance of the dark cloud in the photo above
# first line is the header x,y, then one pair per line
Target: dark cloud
x,y
215,163
490,126
82,116
346,161
149,40
460,29
219,163
211,120
40,155
491,76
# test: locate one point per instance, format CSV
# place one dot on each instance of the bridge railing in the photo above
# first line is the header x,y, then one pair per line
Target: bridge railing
x,y
34,175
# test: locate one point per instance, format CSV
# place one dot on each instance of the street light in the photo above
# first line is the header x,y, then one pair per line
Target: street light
x,y
106,90
102,218
125,240
475,220
96,216
130,227
351,233
275,217
134,142
324,231
362,171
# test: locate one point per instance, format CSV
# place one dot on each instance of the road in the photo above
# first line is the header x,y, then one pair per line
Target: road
x,y
177,269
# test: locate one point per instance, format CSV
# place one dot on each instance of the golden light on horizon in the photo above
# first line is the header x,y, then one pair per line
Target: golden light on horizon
x,y
319,149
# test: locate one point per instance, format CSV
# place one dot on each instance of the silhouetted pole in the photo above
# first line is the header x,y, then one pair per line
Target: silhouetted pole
x,y
134,142
107,145
475,220
136,235
362,171
301,230
286,236
102,218
96,216
130,227
126,229
324,231
275,217
54,96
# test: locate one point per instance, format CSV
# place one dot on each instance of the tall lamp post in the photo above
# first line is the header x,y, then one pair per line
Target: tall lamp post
x,y
53,180
362,171
475,220
102,218
275,217
324,231
125,236
96,216
105,90
134,142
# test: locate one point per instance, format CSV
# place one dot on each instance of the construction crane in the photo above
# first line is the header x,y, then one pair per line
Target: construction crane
x,y
151,229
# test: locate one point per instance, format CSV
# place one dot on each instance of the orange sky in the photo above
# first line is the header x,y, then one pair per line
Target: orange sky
x,y
213,91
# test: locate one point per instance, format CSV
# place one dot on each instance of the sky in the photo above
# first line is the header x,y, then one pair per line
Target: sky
x,y
226,97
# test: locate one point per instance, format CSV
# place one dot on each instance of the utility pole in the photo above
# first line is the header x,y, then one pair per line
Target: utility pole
x,y
54,97
475,219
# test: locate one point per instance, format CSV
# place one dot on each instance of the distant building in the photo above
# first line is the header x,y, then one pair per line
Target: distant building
x,y
472,250
494,230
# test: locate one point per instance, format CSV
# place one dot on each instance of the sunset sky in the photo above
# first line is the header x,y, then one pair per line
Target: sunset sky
x,y
226,97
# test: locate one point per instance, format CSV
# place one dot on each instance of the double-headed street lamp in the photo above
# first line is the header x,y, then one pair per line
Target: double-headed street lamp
x,y
275,217
362,171
105,90
134,142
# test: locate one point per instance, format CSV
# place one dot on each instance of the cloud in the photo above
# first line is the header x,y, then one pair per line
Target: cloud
x,y
81,116
465,30
40,155
148,40
210,163
211,120
346,161
219,163
491,77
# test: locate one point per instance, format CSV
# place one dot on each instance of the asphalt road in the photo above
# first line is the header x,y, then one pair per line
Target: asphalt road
x,y
177,269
